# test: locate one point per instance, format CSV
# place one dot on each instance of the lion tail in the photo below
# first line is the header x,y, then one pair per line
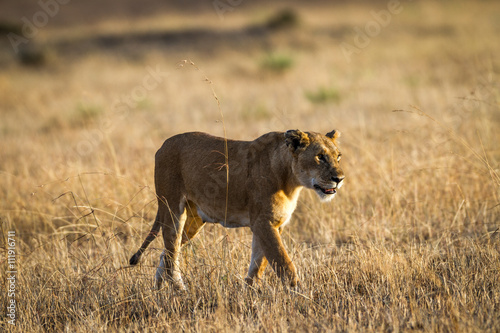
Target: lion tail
x,y
149,238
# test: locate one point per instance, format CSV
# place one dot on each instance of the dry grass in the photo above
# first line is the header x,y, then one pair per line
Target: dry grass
x,y
410,243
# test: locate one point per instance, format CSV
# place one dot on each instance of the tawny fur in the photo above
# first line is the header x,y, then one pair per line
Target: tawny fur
x,y
265,179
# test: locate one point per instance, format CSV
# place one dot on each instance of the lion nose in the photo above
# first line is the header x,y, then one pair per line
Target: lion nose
x,y
338,179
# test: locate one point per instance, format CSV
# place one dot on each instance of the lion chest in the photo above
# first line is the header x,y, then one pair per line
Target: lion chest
x,y
284,206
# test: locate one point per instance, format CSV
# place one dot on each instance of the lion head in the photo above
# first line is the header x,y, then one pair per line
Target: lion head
x,y
316,161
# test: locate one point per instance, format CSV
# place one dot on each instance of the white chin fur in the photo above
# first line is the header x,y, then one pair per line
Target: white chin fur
x,y
324,197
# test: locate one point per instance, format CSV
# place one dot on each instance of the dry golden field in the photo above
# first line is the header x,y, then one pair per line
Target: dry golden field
x,y
410,243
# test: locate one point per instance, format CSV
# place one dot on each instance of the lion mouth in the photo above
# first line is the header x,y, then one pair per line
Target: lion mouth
x,y
326,190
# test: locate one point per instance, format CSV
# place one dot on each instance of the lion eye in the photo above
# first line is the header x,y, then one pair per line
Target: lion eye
x,y
339,157
321,157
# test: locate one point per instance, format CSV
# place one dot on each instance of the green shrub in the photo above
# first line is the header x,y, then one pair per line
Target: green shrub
x,y
277,62
323,95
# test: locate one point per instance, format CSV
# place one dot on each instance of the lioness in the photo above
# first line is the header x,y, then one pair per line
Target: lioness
x,y
262,178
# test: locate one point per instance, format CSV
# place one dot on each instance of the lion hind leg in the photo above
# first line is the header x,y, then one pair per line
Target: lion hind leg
x,y
168,268
193,224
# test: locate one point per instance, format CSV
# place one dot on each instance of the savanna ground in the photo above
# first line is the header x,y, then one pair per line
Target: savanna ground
x,y
410,243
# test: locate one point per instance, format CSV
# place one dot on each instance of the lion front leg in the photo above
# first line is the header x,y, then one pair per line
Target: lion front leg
x,y
268,242
258,261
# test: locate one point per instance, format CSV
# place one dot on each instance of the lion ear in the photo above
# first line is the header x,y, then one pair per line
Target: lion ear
x,y
334,135
296,139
